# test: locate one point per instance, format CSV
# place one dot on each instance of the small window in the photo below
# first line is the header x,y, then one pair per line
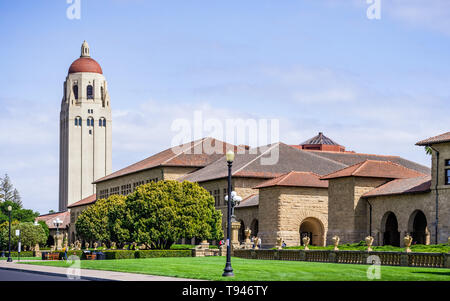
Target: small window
x,y
90,92
90,121
447,162
447,177
90,132
77,121
75,91
104,122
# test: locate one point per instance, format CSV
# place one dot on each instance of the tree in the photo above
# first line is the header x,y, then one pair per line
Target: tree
x,y
30,235
17,213
428,150
158,214
103,221
6,189
8,192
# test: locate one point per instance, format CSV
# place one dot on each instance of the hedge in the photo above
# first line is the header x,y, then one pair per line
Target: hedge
x,y
130,254
22,254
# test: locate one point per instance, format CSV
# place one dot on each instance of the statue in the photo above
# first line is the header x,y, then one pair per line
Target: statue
x,y
336,240
86,244
247,233
279,243
103,246
408,241
95,245
113,245
256,241
72,246
369,242
306,241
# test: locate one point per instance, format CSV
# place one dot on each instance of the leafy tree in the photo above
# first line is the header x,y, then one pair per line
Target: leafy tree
x,y
160,213
17,213
30,235
16,198
103,220
45,227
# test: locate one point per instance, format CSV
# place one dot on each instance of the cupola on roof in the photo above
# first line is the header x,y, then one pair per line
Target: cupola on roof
x,y
85,63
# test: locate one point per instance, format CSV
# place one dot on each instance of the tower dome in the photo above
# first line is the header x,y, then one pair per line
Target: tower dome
x,y
85,63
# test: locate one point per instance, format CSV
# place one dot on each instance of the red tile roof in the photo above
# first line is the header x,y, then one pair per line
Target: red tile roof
x,y
86,201
48,219
436,139
85,64
375,169
193,154
296,179
250,201
401,186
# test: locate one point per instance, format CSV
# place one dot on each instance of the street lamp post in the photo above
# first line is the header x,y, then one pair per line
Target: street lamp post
x,y
9,243
228,271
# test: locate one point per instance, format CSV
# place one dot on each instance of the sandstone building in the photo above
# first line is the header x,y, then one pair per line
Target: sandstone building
x,y
315,189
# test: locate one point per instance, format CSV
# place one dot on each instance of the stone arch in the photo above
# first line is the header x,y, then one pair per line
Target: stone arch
x,y
389,228
254,226
418,227
314,229
241,234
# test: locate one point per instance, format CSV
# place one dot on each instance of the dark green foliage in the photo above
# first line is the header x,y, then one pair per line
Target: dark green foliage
x,y
17,213
158,214
119,254
162,253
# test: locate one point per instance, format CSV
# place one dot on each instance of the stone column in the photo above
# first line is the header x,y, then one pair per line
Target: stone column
x,y
58,241
235,226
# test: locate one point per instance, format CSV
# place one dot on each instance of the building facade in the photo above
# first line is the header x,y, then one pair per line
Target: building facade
x,y
85,130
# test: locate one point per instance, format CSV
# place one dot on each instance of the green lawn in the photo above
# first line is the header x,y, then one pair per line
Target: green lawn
x,y
210,268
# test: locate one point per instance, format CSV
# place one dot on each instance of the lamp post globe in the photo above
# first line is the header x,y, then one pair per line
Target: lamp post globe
x,y
9,241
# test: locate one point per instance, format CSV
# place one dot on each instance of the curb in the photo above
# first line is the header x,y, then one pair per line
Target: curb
x,y
54,274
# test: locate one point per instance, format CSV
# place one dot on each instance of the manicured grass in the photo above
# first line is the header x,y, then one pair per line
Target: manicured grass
x,y
211,268
441,248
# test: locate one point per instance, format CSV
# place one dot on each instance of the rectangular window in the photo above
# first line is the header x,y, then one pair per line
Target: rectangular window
x,y
447,162
447,177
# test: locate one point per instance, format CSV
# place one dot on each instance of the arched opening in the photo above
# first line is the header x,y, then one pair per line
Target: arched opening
x,y
313,228
90,92
391,235
418,227
241,235
75,91
254,227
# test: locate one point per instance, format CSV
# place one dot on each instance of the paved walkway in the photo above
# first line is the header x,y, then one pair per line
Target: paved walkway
x,y
85,273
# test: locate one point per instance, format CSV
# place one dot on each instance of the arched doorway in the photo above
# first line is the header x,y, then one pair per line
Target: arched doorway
x,y
391,235
313,228
241,235
418,227
254,227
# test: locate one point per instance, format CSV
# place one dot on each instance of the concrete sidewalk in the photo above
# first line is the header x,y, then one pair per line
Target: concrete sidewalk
x,y
87,274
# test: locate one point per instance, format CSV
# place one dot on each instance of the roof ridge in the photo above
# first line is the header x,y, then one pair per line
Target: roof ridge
x,y
360,166
284,177
253,160
176,155
323,158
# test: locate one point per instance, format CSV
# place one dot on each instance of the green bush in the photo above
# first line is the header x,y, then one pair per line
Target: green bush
x,y
188,247
162,253
119,254
22,254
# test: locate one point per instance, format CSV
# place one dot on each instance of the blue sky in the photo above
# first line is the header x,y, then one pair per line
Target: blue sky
x,y
375,86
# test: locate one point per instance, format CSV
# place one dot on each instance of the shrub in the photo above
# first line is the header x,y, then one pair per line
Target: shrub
x,y
119,254
162,253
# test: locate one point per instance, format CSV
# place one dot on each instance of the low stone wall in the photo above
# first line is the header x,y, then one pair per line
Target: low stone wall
x,y
430,260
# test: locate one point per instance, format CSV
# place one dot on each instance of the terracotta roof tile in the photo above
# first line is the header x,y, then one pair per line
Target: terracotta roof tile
x,y
88,200
250,164
193,154
375,169
48,219
351,158
401,186
436,139
296,179
250,201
